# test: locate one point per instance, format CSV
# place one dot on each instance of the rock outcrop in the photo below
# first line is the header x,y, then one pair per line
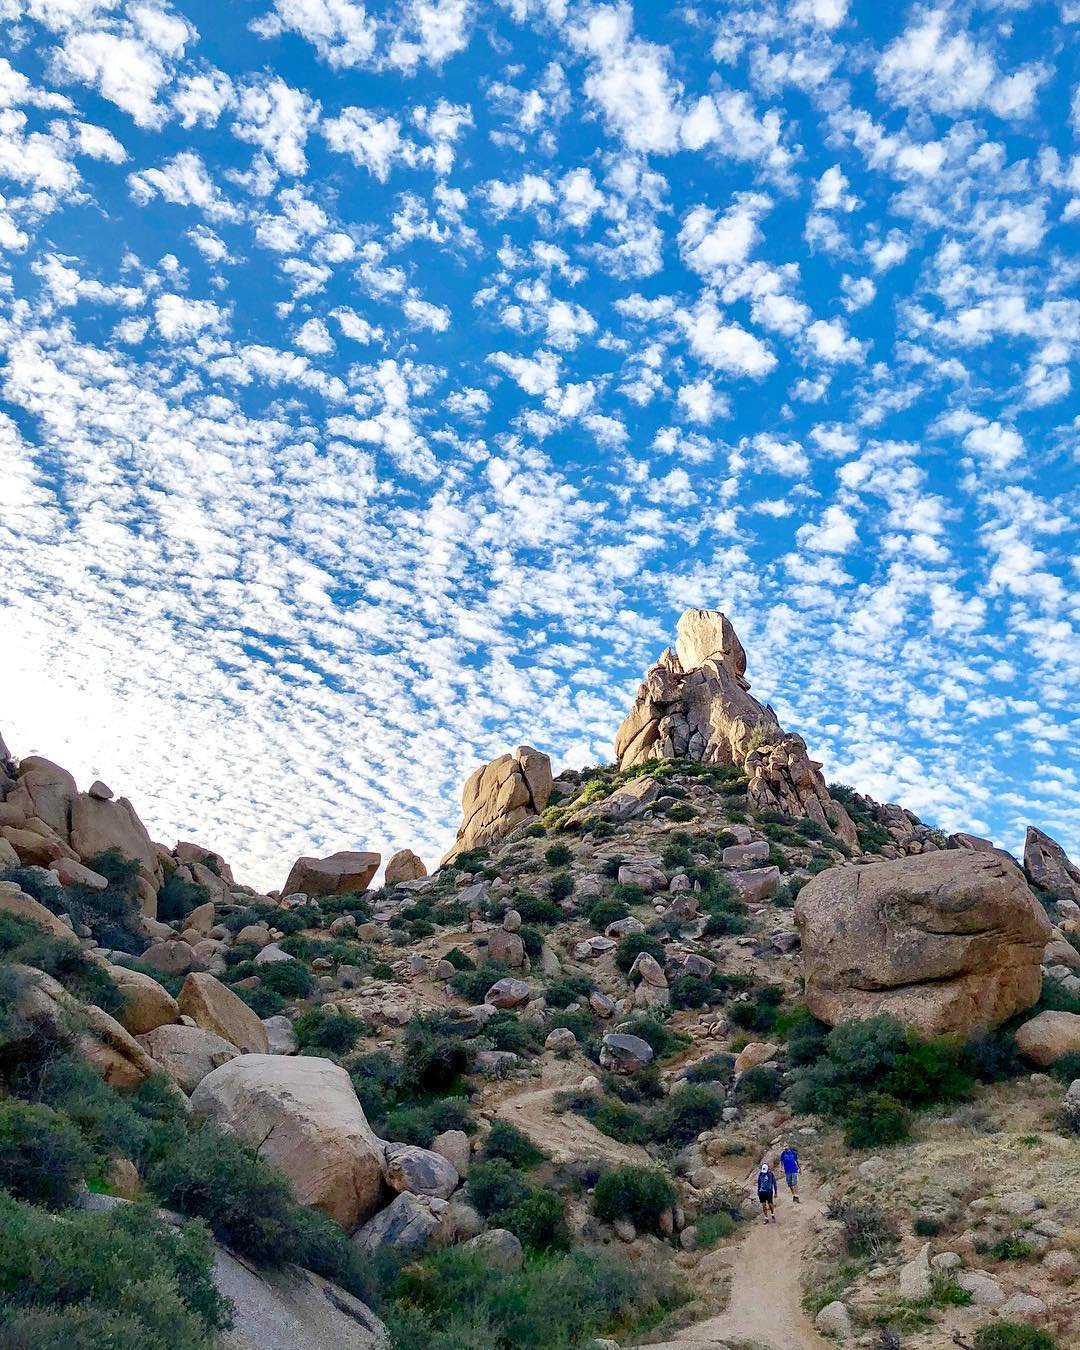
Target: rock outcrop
x,y
1049,867
695,704
338,874
404,865
1050,1037
303,1116
214,1007
945,942
500,796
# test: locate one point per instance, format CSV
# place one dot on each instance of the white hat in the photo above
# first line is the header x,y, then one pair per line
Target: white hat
x,y
764,1167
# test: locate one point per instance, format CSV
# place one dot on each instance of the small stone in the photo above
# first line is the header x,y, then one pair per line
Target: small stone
x,y
624,1230
281,1037
984,1291
511,921
834,1320
1022,1308
453,1145
946,1261
1019,1202
500,1250
420,1171
561,1040
914,1281
507,993
624,1053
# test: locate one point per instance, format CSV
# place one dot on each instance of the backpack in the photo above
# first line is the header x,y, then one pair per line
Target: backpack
x,y
766,1185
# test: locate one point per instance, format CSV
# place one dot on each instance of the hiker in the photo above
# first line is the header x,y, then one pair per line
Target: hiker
x,y
789,1161
766,1192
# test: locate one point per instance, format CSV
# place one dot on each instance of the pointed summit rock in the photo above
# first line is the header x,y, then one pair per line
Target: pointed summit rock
x,y
695,704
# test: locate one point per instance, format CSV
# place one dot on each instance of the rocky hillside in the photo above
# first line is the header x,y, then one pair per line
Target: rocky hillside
x,y
522,1101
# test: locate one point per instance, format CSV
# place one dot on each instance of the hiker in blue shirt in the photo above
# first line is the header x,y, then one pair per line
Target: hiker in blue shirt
x,y
789,1161
766,1192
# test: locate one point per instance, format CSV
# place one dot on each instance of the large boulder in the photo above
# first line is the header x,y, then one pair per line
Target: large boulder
x,y
187,1054
98,825
13,900
695,704
338,874
407,1224
944,942
420,1171
1049,1037
213,1006
147,1004
404,865
500,796
1049,867
303,1116
46,791
198,855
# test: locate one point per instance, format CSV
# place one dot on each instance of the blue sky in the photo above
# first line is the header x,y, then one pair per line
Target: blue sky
x,y
379,383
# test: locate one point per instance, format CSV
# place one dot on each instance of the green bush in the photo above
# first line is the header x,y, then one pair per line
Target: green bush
x,y
532,939
559,855
876,1120
507,1031
604,911
760,1085
568,989
459,959
474,984
711,1228
433,1062
376,1079
494,1186
290,979
455,1300
43,1158
537,910
24,943
560,886
928,1225
538,1221
511,1145
655,1033
330,1029
1013,1336
1012,1249
123,1280
868,1231
716,1068
178,897
640,1194
682,1116
631,946
420,1124
262,1001
681,811
759,1012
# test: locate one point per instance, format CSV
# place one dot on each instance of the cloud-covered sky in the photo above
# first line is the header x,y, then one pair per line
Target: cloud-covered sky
x,y
379,382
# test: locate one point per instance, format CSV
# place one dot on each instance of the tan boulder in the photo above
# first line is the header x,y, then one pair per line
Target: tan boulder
x,y
404,865
213,1006
8,856
303,1116
187,852
44,790
147,1004
187,1054
171,957
755,1054
72,873
500,796
338,874
944,942
1049,867
23,906
35,847
202,918
97,825
1049,1037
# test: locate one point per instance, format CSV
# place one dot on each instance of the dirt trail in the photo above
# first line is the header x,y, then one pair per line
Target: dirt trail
x,y
765,1307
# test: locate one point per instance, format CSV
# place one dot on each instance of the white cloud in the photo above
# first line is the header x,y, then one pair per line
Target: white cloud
x,y
340,31
423,314
702,402
829,341
710,243
835,533
999,445
183,181
277,118
314,337
178,317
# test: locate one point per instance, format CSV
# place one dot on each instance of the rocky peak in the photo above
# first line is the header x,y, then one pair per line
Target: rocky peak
x,y
695,704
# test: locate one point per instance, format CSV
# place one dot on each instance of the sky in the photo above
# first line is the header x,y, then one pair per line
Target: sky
x,y
379,382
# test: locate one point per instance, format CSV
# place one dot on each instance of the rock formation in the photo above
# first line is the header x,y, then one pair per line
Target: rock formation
x,y
695,704
404,865
1048,866
945,942
500,796
338,874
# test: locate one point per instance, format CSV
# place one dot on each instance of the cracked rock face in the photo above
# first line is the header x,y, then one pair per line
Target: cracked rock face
x,y
1049,867
500,796
944,942
695,704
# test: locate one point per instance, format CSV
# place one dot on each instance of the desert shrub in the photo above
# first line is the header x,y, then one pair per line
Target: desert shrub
x,y
329,1029
1012,1249
531,938
868,1231
610,866
124,1280
420,1124
655,1033
716,1068
633,944
681,1117
640,1194
928,1225
568,989
759,1012
1013,1336
290,979
459,959
691,991
43,1157
455,1300
376,1080
178,897
507,1031
537,909
681,811
711,1228
24,943
876,1058
1056,998
262,1001
604,911
511,1145
806,1038
494,1186
560,886
559,855
474,984
1067,1068
760,1085
876,1120
613,1118
246,1203
629,892
538,1221
432,1062
676,855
